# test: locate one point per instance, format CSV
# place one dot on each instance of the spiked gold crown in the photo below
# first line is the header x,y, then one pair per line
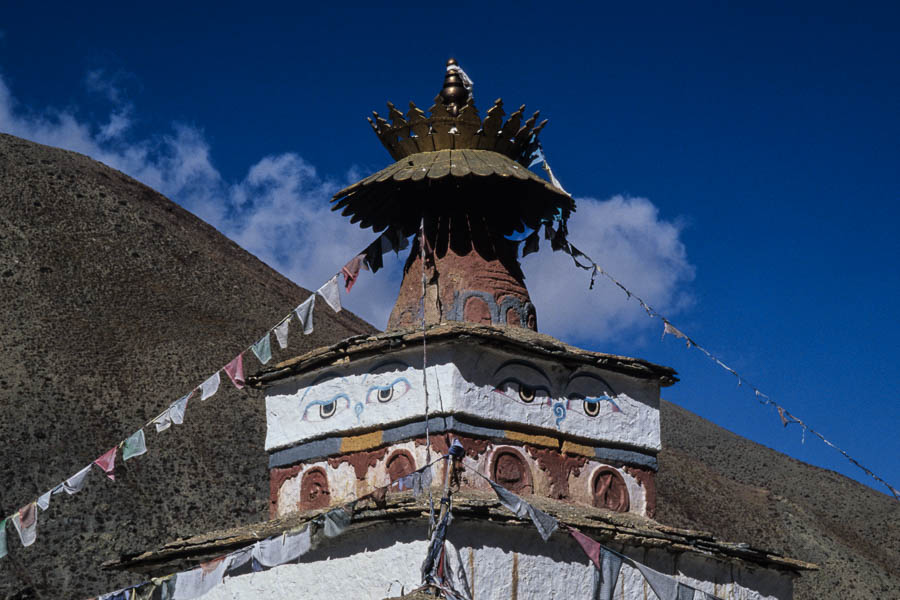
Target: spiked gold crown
x,y
454,124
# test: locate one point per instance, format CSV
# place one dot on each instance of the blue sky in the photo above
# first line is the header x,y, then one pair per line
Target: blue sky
x,y
737,166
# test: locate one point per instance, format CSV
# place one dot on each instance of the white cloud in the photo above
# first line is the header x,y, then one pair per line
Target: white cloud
x,y
628,239
280,212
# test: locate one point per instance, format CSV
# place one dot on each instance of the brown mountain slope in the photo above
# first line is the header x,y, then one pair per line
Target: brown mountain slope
x,y
714,480
115,302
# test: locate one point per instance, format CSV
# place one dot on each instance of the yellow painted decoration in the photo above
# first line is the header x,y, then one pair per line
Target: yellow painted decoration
x,y
573,448
361,442
537,440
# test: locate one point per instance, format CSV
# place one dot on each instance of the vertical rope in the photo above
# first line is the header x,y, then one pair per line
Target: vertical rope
x,y
431,522
424,342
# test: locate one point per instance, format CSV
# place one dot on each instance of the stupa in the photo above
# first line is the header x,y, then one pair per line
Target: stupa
x,y
462,370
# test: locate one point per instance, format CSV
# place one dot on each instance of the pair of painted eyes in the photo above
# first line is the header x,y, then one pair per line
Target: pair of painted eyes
x,y
517,390
378,393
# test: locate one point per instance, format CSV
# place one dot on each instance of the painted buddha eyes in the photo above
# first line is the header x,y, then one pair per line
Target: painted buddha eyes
x,y
319,410
592,406
328,409
385,393
517,390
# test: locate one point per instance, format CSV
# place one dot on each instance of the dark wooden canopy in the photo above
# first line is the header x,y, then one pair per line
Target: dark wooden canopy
x,y
478,183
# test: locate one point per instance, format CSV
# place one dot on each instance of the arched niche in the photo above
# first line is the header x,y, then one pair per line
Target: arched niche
x,y
510,469
314,490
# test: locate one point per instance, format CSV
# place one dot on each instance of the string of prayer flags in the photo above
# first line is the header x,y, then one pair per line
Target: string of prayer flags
x,y
545,524
263,349
558,242
4,549
608,564
209,387
281,332
235,371
305,314
330,292
25,522
351,270
135,445
175,412
107,462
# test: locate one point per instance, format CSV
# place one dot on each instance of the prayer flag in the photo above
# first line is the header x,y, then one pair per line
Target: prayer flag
x,y
276,551
210,386
374,253
25,522
74,483
107,462
281,332
263,349
664,586
173,414
545,524
199,581
608,564
337,520
3,548
685,592
305,314
235,371
134,445
331,293
44,501
351,270
532,243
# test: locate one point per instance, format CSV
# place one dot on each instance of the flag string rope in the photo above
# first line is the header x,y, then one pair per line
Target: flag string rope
x,y
26,517
558,241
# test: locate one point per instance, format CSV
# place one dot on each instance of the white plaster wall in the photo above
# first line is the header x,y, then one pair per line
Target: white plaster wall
x,y
488,385
500,562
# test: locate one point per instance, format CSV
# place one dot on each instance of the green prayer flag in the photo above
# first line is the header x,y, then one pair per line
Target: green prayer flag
x,y
3,538
134,445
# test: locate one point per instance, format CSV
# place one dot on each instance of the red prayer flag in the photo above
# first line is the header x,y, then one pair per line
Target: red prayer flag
x,y
107,462
590,547
235,371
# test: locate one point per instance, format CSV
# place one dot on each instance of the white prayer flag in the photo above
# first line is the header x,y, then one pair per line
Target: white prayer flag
x,y
331,293
74,483
281,332
305,314
44,501
209,387
263,349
